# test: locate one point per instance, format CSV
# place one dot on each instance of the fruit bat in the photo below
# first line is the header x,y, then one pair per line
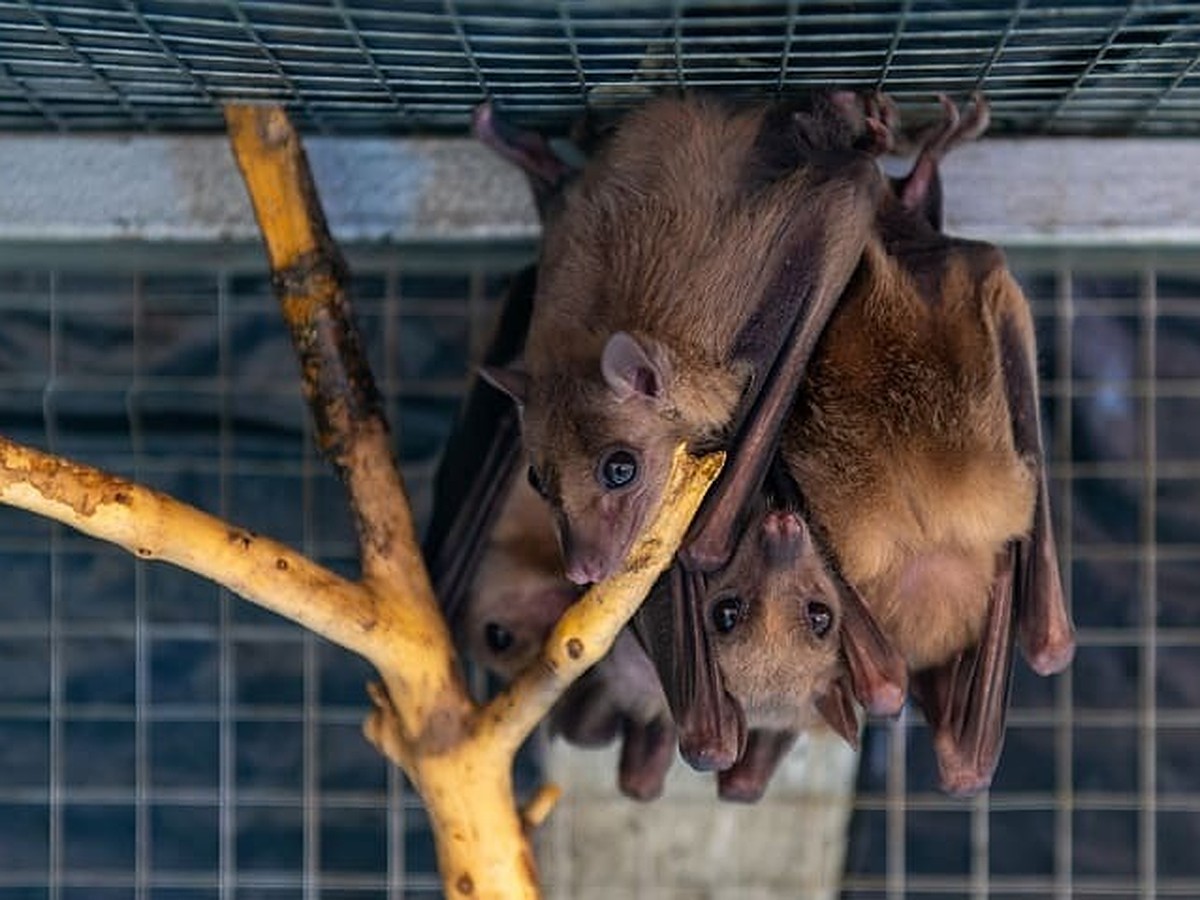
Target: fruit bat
x,y
914,445
520,592
649,328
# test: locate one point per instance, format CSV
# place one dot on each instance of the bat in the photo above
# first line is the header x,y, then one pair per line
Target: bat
x,y
518,594
643,334
491,549
649,329
915,445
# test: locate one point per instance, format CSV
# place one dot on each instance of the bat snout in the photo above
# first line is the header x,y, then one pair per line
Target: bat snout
x,y
586,563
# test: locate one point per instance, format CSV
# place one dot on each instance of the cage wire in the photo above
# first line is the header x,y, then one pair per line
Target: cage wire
x,y
352,66
160,739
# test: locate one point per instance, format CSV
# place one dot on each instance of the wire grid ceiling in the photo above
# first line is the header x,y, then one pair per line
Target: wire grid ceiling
x,y
1088,67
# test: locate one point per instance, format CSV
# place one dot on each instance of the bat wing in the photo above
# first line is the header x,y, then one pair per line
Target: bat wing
x,y
966,700
710,724
836,707
647,750
478,464
1044,627
747,779
777,342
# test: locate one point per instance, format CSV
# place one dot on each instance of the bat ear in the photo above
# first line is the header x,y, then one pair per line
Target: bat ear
x,y
631,369
510,379
837,709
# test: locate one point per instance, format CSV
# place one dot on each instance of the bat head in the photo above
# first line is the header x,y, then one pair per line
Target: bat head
x,y
519,591
600,448
774,616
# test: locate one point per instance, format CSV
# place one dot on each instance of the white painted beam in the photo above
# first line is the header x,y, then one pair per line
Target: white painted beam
x,y
1014,192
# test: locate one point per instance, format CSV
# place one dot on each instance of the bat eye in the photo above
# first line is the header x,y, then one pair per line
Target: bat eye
x,y
535,482
820,619
726,614
617,469
498,637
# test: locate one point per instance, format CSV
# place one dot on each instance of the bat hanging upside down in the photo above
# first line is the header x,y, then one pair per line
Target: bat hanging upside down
x,y
915,451
684,281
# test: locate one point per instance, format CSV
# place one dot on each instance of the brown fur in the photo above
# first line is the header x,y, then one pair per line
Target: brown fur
x,y
643,245
902,446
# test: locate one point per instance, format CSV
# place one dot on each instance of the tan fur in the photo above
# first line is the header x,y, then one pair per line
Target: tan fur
x,y
902,445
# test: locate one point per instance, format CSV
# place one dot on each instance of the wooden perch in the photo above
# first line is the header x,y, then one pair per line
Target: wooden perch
x,y
458,756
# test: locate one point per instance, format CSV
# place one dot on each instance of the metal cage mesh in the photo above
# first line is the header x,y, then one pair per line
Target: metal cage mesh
x,y
354,66
161,740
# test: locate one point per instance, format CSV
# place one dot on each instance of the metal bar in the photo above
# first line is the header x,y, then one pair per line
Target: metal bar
x,y
1148,663
1064,744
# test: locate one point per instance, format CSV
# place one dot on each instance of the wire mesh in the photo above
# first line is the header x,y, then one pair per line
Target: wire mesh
x,y
162,740
352,66
159,737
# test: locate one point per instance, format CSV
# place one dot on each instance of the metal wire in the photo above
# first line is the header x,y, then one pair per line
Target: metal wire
x,y
359,66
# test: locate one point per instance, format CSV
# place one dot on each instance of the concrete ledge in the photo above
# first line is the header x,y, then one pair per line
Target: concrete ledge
x,y
1013,192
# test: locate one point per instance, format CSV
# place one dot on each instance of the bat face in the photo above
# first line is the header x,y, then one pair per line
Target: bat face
x,y
519,591
601,457
774,616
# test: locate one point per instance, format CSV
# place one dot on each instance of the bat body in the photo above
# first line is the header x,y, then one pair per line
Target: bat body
x,y
647,331
914,444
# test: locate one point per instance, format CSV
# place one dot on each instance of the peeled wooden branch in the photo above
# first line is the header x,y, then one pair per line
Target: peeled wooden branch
x,y
459,758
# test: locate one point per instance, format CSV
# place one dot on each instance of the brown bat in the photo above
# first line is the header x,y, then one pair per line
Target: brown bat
x,y
648,331
915,444
644,333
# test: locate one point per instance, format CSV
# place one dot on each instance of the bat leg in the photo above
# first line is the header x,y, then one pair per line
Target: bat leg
x,y
709,722
921,191
877,671
528,150
1044,628
747,779
647,751
836,707
966,699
